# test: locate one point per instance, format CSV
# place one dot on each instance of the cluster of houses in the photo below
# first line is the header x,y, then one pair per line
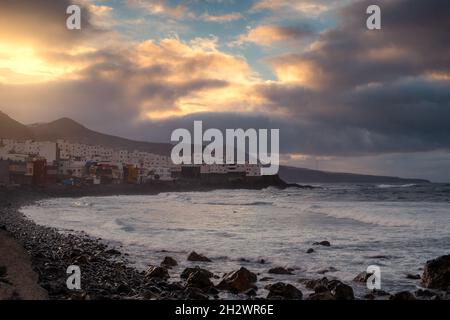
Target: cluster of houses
x,y
29,162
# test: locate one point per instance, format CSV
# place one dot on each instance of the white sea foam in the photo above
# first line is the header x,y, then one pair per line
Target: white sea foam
x,y
274,225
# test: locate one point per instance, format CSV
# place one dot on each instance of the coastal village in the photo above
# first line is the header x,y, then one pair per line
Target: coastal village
x,y
42,163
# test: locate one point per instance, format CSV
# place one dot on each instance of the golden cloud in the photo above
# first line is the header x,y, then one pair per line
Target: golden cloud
x,y
267,35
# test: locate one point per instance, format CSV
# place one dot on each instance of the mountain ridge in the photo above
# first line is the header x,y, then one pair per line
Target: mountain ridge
x,y
69,129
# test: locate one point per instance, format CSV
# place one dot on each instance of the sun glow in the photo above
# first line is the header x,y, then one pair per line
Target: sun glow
x,y
21,65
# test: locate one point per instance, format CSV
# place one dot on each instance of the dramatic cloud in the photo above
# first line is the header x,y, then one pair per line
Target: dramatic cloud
x,y
161,7
268,35
309,7
228,17
342,93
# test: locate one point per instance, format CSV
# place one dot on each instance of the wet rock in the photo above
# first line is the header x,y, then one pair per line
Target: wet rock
x,y
264,279
321,296
250,292
369,296
195,294
362,277
280,270
199,280
283,290
322,243
436,274
312,284
424,293
330,269
123,289
310,250
335,288
188,271
169,262
3,271
238,281
379,257
113,252
194,256
157,272
342,291
380,293
413,276
213,291
403,295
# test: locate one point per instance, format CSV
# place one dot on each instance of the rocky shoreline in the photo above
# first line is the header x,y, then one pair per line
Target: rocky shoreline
x,y
107,274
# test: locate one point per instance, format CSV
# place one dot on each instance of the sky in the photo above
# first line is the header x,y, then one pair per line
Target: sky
x,y
345,98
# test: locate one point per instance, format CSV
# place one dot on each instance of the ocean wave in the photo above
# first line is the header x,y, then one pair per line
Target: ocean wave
x,y
223,203
370,218
386,186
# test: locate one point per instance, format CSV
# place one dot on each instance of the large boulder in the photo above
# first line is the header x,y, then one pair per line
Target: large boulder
x,y
238,281
436,274
194,256
188,271
279,270
362,277
157,272
324,288
322,243
199,279
284,291
341,291
316,283
169,262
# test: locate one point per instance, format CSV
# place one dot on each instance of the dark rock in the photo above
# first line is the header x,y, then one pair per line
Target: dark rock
x,y
404,295
380,293
188,271
251,292
322,243
369,296
312,284
362,277
286,291
424,293
169,262
195,294
310,250
436,274
212,291
335,288
3,271
265,279
343,292
113,252
238,281
323,271
194,256
199,280
379,257
413,276
321,296
280,270
157,272
123,289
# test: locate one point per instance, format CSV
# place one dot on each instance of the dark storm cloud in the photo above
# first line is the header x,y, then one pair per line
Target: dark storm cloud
x,y
413,40
372,91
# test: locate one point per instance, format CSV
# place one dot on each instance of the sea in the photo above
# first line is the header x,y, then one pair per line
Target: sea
x,y
397,227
